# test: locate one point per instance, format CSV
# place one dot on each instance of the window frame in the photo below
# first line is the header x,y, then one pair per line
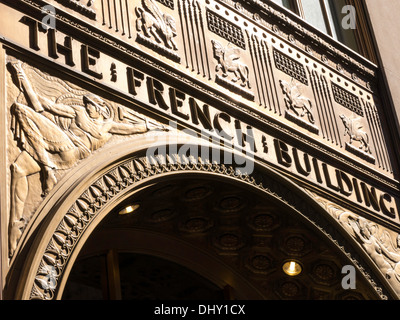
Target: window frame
x,y
362,33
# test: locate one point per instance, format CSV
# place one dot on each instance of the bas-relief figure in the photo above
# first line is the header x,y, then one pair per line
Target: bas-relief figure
x,y
354,129
155,23
52,135
294,100
377,243
227,58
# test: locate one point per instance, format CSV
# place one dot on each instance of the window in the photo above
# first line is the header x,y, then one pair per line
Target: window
x,y
327,16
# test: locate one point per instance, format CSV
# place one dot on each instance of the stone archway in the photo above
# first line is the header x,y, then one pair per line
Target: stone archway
x,y
78,205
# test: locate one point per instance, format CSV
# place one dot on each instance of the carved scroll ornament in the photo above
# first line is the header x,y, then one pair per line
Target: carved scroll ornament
x,y
53,135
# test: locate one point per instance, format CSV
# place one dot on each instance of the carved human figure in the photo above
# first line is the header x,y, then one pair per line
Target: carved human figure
x,y
227,58
387,259
55,136
153,22
365,232
295,100
354,129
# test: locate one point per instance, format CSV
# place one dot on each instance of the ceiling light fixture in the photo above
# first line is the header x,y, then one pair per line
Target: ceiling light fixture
x,y
292,268
129,209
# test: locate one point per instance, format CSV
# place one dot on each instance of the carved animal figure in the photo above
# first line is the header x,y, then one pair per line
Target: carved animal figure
x,y
227,62
295,100
353,128
153,22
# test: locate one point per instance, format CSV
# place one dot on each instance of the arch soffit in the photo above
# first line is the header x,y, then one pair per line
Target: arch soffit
x,y
88,192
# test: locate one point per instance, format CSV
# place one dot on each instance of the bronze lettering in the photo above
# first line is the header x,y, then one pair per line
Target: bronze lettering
x,y
135,79
344,182
176,98
316,170
200,114
33,32
328,180
370,198
220,128
245,138
304,171
282,153
357,190
89,61
386,198
155,90
56,48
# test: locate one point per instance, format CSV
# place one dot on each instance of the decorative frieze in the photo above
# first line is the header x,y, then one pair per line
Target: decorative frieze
x,y
291,67
347,99
225,29
85,7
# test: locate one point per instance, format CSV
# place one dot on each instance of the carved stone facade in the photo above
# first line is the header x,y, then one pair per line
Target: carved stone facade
x,y
117,93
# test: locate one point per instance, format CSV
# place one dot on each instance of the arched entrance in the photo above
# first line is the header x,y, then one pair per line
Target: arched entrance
x,y
205,238
237,236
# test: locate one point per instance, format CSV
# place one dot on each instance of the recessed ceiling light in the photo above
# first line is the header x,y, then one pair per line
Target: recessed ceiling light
x,y
292,268
129,209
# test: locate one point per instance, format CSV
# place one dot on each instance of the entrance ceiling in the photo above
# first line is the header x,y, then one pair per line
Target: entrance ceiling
x,y
242,229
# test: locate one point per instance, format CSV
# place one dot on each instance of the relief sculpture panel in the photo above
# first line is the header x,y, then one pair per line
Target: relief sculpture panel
x,y
228,62
229,55
55,125
298,106
354,130
151,24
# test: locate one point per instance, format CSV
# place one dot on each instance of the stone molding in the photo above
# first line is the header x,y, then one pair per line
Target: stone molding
x,y
62,242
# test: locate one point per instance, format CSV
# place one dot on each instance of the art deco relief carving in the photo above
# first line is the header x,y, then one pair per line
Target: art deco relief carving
x,y
158,26
54,133
378,242
228,61
85,7
354,129
227,58
118,179
298,106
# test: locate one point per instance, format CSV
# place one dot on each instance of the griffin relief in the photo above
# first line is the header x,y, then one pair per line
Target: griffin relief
x,y
227,58
354,129
295,101
152,22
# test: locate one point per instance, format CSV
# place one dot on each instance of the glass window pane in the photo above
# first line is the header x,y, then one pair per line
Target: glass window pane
x,y
346,36
314,15
288,4
333,18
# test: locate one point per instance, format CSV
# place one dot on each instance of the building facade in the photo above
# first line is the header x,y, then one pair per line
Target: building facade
x,y
187,149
